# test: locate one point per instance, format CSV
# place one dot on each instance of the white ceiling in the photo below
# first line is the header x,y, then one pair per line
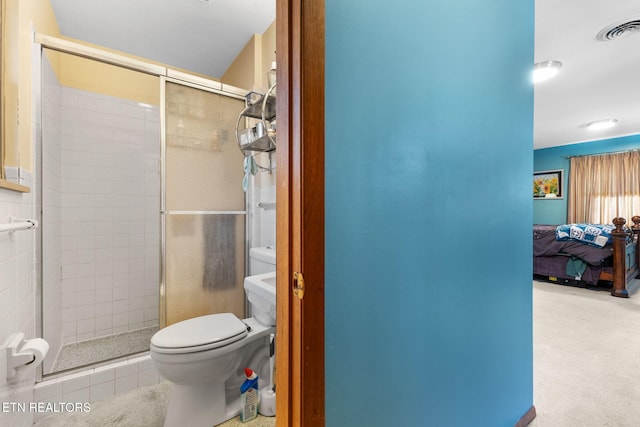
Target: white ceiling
x,y
202,36
598,79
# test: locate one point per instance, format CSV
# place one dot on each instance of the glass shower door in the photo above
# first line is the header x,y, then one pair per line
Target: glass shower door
x,y
99,171
204,205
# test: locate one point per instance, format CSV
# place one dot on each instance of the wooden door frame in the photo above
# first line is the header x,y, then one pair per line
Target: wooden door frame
x,y
300,217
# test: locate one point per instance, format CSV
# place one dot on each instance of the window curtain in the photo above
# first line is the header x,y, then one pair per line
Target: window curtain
x,y
603,187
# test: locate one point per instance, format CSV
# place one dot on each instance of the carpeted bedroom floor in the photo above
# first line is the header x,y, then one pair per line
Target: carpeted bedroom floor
x,y
586,347
586,368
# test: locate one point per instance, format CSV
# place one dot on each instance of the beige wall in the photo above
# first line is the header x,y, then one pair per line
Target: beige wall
x,y
22,17
249,69
98,77
34,15
111,80
268,53
243,70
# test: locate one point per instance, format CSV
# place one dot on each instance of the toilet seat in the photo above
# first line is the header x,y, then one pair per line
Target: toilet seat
x,y
199,334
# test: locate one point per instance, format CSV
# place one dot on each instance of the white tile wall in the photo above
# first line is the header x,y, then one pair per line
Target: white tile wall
x,y
109,222
98,383
263,220
52,207
267,216
17,295
18,251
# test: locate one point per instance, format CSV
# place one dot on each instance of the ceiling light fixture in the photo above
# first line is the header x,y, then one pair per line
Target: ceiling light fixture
x,y
545,70
602,124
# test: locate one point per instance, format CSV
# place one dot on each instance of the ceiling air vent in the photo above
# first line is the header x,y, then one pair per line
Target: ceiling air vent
x,y
616,31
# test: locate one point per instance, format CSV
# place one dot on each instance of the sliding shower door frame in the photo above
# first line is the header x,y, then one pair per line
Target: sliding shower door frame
x,y
44,73
42,41
198,83
38,196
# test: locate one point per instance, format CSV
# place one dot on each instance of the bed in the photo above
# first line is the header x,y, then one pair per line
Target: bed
x,y
575,262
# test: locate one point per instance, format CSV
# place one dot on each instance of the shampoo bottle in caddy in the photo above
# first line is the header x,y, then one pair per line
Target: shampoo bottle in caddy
x,y
249,397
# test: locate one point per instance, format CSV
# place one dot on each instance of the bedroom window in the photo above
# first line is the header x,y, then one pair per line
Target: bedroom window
x,y
602,187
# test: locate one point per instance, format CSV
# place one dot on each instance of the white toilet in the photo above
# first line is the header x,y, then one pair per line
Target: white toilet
x,y
205,357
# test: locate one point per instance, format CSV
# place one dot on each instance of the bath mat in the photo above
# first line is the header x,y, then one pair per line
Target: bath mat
x,y
143,407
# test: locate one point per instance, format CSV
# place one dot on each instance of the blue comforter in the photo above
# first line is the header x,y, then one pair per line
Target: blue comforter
x,y
545,244
597,235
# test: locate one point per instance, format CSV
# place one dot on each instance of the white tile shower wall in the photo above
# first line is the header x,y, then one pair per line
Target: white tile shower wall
x,y
17,295
98,383
51,207
110,222
262,219
267,216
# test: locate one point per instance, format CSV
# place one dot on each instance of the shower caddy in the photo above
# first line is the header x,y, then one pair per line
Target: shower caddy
x,y
256,126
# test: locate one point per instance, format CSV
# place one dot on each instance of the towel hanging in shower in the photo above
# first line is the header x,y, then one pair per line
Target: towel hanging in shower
x,y
250,167
220,238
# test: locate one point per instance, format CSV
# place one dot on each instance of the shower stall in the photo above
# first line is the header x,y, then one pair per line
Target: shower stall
x,y
142,208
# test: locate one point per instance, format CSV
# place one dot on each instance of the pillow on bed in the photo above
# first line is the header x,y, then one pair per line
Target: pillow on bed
x,y
597,235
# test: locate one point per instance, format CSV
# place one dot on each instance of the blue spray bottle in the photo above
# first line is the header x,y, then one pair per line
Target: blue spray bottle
x,y
249,397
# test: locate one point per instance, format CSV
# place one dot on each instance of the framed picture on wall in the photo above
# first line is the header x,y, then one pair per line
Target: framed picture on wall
x,y
548,184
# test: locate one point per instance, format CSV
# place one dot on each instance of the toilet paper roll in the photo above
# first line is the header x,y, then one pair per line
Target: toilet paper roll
x,y
38,347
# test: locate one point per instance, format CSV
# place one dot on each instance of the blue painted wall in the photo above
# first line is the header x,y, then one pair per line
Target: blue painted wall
x,y
429,159
555,211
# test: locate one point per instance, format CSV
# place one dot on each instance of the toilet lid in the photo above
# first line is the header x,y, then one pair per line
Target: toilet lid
x,y
199,334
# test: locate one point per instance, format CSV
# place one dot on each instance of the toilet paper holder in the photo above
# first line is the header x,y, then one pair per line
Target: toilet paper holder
x,y
21,353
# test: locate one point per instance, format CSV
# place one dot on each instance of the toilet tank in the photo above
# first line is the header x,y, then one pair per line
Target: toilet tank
x,y
262,260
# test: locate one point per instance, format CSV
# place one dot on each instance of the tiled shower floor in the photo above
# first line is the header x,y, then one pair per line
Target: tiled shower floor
x,y
88,352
